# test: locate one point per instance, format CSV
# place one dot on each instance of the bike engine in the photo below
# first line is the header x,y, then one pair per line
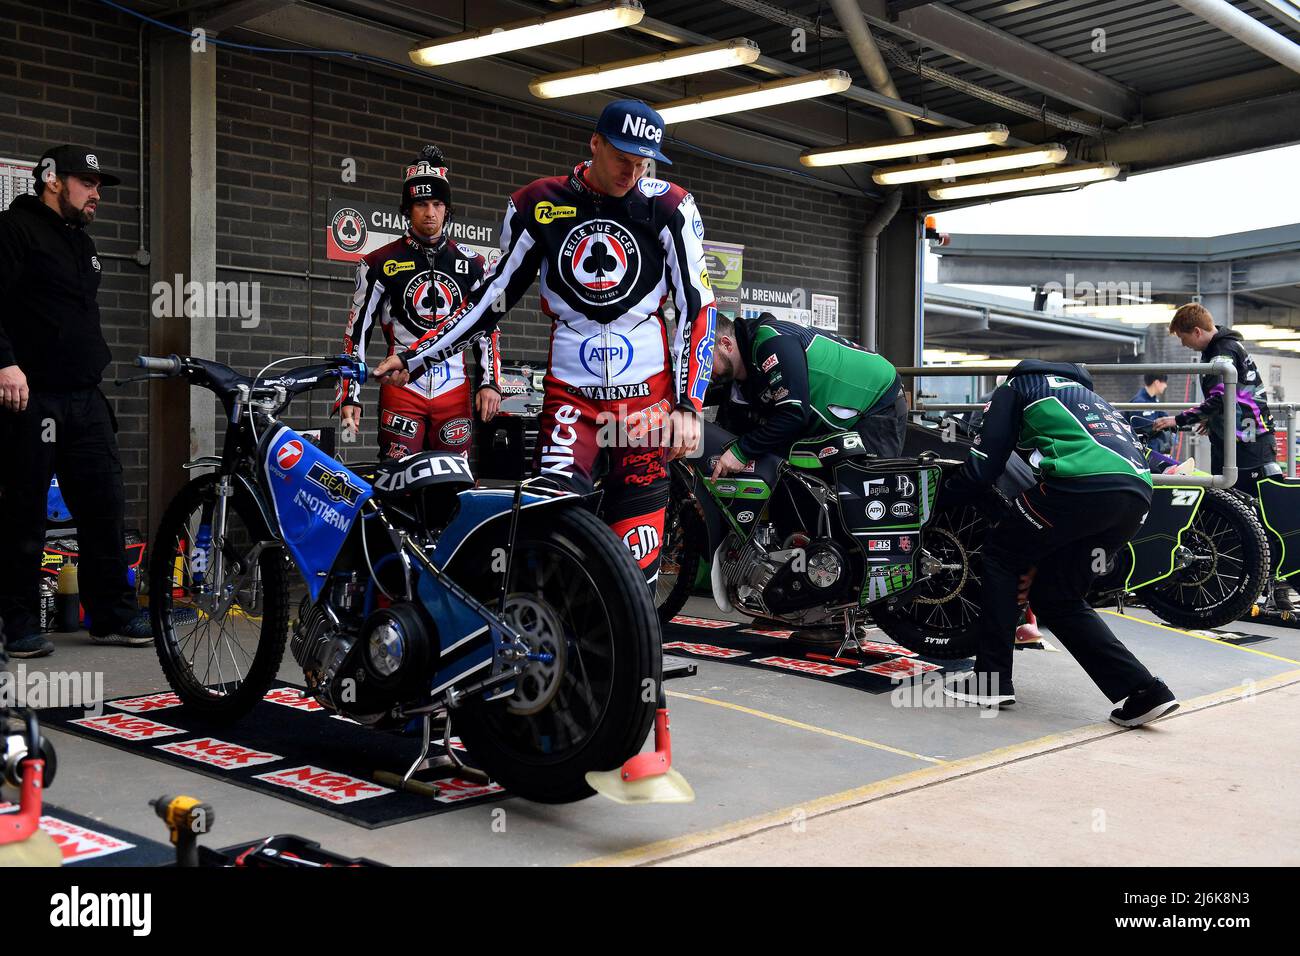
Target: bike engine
x,y
370,668
800,575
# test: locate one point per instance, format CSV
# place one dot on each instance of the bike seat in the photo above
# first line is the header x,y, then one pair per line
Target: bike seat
x,y
399,477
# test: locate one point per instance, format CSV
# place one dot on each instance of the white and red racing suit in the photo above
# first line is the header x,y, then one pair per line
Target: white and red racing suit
x,y
407,288
609,265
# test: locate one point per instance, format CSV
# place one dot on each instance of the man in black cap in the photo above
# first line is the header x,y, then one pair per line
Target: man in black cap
x,y
614,248
53,417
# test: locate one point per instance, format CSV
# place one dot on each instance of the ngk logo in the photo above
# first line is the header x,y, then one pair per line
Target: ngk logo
x,y
142,705
557,457
291,697
324,784
127,727
74,842
704,650
218,753
456,790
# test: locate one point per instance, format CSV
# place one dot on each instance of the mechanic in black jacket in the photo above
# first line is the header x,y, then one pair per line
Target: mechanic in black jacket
x,y
1093,492
1256,449
53,417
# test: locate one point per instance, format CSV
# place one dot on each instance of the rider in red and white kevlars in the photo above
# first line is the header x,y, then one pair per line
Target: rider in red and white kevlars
x,y
613,248
407,288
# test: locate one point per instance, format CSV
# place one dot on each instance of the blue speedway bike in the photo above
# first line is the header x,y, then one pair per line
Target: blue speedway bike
x,y
516,614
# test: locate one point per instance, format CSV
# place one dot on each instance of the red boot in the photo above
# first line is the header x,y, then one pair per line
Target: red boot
x,y
1028,633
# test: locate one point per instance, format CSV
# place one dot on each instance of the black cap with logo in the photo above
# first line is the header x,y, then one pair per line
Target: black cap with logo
x,y
634,127
68,160
426,177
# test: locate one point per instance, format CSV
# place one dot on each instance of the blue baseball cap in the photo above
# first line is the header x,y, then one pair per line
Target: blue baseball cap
x,y
634,127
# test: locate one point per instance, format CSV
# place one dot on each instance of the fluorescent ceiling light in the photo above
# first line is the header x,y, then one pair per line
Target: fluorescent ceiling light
x,y
1254,332
1051,178
1136,313
755,97
971,165
993,134
535,31
1286,345
646,69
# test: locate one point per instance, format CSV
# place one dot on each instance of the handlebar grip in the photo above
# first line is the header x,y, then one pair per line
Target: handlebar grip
x,y
171,365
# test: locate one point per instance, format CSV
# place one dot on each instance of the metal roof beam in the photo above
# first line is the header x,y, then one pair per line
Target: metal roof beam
x,y
957,34
1164,277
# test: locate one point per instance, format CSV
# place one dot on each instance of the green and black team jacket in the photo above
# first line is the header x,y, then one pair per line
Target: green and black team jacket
x,y
1073,438
802,382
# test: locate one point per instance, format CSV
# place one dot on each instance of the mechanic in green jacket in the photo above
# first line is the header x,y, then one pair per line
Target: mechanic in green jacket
x,y
802,382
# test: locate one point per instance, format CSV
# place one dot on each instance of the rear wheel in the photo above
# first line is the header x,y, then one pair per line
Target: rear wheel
x,y
1227,567
940,616
576,593
680,556
220,647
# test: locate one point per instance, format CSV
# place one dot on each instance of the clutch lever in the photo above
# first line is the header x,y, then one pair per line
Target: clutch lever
x,y
120,382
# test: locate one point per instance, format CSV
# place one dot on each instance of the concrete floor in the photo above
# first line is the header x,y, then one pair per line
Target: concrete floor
x,y
768,750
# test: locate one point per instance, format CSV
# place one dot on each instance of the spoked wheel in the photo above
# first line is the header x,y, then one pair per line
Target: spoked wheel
x,y
680,557
219,642
576,595
1226,567
940,616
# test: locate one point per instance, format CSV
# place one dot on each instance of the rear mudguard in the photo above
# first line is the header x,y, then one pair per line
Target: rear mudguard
x,y
1154,547
1279,508
486,511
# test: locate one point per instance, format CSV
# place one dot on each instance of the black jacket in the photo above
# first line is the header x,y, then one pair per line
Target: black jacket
x,y
49,319
1252,402
1074,439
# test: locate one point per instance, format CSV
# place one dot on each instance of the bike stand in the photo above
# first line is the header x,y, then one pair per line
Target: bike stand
x,y
423,762
856,642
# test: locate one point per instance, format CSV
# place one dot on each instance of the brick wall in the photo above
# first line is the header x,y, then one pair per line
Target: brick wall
x,y
284,126
68,74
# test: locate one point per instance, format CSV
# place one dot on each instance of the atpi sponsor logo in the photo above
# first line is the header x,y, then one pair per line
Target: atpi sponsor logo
x,y
127,727
606,353
322,784
653,187
218,753
875,510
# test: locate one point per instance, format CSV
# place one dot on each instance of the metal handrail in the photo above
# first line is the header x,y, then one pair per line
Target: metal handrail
x,y
1221,366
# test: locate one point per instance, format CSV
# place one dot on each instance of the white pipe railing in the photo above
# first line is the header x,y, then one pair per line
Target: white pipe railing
x,y
1221,367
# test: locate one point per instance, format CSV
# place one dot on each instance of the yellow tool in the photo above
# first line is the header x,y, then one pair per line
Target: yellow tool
x,y
186,818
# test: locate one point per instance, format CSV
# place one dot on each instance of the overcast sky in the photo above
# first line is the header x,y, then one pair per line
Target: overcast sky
x,y
1206,199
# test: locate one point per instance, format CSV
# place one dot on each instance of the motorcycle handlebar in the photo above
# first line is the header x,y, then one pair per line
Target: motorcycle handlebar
x,y
171,365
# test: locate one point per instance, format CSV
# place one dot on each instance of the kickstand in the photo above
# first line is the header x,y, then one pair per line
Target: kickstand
x,y
850,642
449,758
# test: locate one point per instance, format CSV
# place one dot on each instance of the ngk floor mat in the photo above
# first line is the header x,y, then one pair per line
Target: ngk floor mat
x,y
750,645
87,842
287,747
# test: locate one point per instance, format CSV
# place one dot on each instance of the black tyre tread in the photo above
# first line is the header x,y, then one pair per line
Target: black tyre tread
x,y
1258,571
562,783
693,544
957,644
275,615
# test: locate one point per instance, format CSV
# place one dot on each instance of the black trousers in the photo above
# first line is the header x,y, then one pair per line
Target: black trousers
x,y
1068,536
71,433
884,427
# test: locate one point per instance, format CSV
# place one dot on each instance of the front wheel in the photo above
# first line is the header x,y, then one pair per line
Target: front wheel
x,y
577,594
940,616
1227,567
219,642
